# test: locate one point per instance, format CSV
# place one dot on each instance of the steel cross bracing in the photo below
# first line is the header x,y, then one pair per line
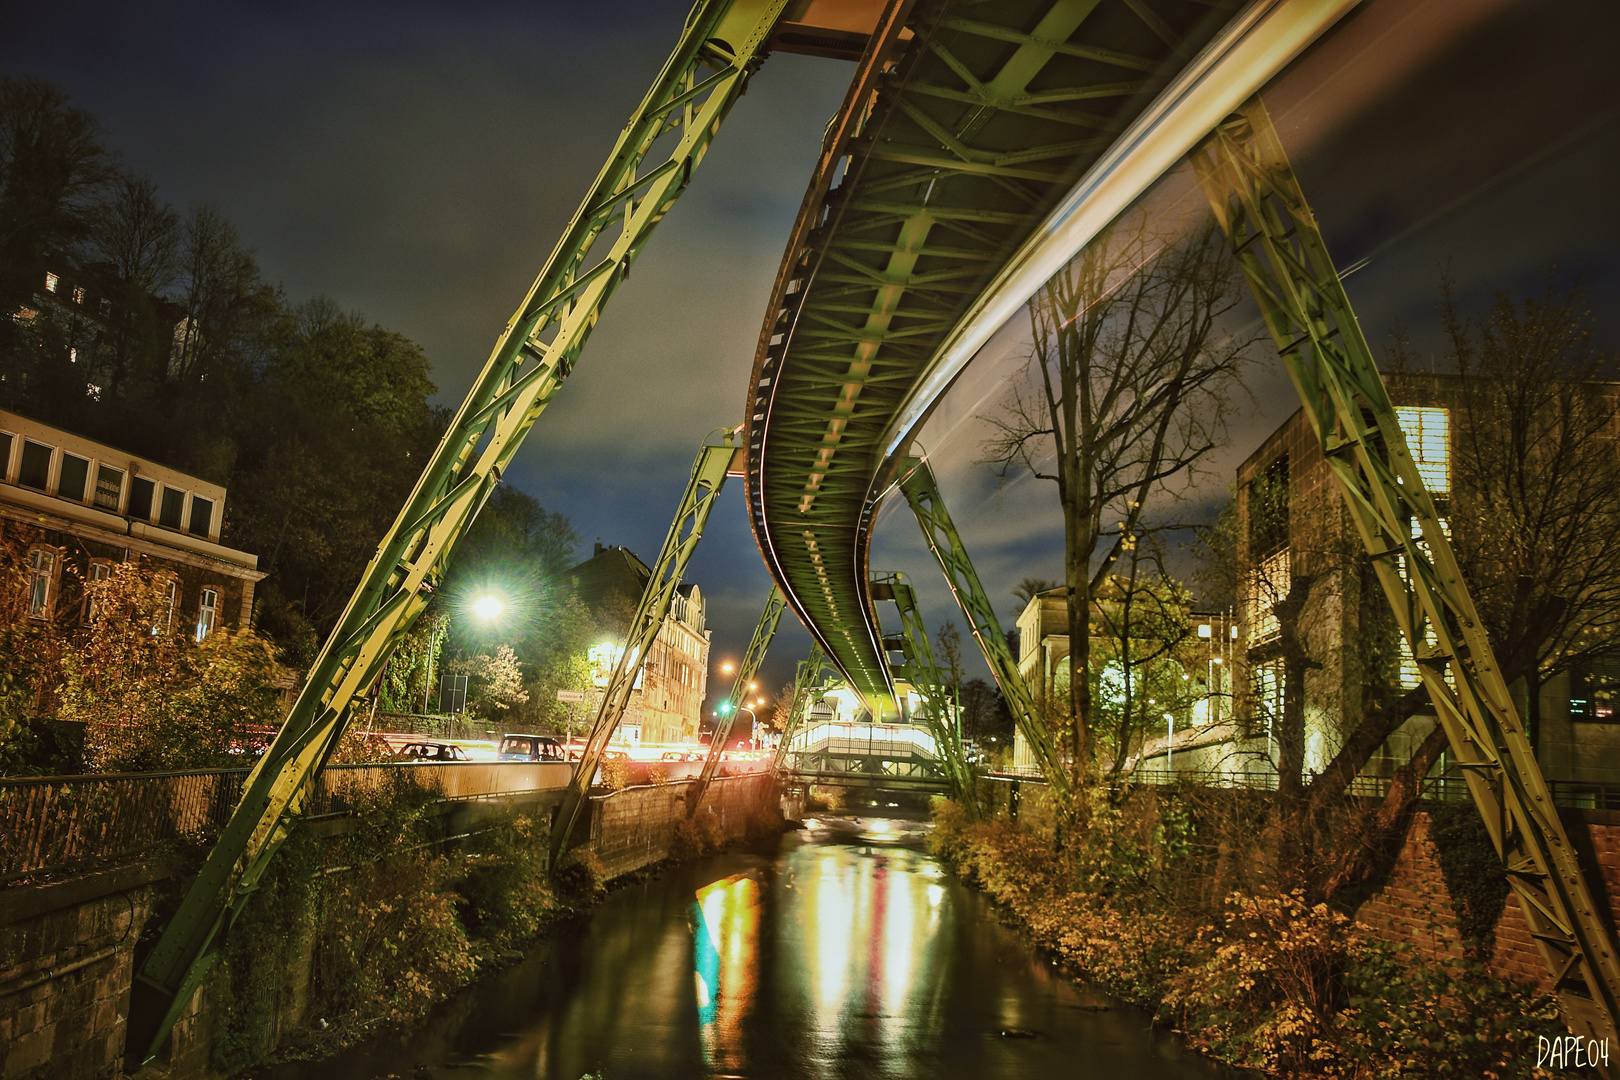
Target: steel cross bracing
x,y
922,493
917,667
720,46
697,501
805,682
964,125
764,631
1259,203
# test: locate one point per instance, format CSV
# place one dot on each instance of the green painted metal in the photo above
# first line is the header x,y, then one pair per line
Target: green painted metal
x,y
697,502
1259,203
917,666
720,46
922,493
764,631
805,683
962,128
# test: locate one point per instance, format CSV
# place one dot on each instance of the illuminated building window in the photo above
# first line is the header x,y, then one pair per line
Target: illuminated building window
x,y
41,569
163,621
1428,436
1267,586
73,356
1267,687
99,571
1595,693
109,486
207,613
51,281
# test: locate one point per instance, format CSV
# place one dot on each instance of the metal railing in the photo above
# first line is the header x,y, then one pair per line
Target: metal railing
x,y
49,822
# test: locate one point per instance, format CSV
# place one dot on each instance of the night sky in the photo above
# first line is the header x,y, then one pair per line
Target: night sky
x,y
417,162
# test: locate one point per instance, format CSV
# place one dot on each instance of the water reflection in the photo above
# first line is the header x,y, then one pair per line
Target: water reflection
x,y
849,954
725,933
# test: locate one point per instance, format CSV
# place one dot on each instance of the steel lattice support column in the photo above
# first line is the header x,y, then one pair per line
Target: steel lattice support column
x,y
697,501
764,631
804,683
917,667
1259,203
720,47
922,492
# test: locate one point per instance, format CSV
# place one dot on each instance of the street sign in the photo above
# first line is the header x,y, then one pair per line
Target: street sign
x,y
570,695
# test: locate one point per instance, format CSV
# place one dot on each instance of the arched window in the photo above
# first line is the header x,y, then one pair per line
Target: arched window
x,y
100,570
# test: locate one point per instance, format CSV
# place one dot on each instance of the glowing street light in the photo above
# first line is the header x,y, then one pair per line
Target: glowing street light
x,y
726,668
488,607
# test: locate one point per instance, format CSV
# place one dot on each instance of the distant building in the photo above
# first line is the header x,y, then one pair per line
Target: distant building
x,y
70,499
1197,720
667,704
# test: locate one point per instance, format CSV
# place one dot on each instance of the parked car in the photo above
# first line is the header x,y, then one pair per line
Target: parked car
x,y
431,751
531,748
677,755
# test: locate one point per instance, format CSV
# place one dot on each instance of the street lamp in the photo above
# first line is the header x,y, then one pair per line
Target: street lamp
x,y
487,607
726,668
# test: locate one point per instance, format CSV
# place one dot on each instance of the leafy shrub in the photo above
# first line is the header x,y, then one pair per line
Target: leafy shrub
x,y
506,894
697,836
580,880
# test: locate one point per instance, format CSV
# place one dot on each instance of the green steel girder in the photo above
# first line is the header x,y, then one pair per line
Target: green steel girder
x,y
764,631
721,45
922,493
1258,201
958,134
805,682
697,502
917,667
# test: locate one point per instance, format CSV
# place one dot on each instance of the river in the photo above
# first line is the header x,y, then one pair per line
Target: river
x,y
850,953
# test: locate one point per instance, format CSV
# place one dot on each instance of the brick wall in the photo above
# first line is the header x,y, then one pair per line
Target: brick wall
x,y
1415,907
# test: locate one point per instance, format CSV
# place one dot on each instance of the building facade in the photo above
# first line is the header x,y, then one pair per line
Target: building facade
x,y
666,706
79,507
1301,556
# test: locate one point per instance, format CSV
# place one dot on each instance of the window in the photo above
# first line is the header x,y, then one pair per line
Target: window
x,y
99,571
41,568
51,281
70,484
207,613
109,486
202,516
78,295
73,355
1268,586
1594,695
5,455
140,499
163,621
173,501
1428,436
106,306
36,465
1268,509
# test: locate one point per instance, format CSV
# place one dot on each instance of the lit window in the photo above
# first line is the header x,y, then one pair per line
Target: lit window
x,y
36,465
207,613
92,391
78,295
1268,586
71,482
73,356
1268,691
109,486
99,571
1204,630
51,282
41,565
1428,436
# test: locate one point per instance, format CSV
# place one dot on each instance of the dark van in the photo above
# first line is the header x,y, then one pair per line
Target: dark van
x,y
531,748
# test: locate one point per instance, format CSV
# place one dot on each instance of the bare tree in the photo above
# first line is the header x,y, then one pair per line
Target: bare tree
x,y
1031,587
1126,393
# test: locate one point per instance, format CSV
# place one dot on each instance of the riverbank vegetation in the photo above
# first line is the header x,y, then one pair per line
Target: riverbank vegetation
x,y
1162,896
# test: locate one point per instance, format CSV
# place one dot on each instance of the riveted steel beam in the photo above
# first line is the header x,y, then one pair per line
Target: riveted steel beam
x,y
720,47
922,493
708,476
764,632
1258,201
